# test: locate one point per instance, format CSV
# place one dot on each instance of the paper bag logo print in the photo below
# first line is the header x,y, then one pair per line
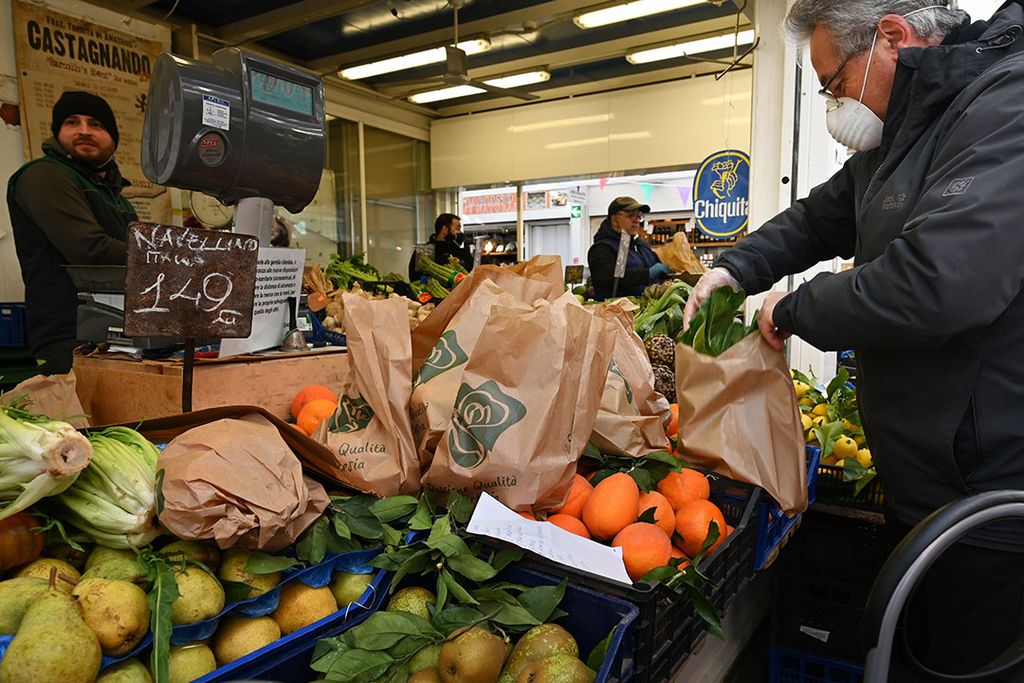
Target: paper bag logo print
x,y
479,419
721,191
614,369
352,415
445,355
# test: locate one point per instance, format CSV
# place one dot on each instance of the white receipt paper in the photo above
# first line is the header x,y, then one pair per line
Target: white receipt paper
x,y
493,519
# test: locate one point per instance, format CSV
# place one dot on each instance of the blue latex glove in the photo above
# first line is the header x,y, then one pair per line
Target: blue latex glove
x,y
659,272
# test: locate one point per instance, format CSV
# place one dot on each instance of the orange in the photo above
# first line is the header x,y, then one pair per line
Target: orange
x,y
673,425
644,547
612,506
315,412
570,524
693,522
311,393
577,498
528,515
677,553
682,487
664,515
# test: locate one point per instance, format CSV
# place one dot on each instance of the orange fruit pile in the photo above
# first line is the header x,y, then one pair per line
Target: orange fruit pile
x,y
611,510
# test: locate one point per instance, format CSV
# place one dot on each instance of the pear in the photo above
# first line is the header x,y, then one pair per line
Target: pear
x,y
15,597
200,596
474,656
427,658
558,668
302,605
197,551
348,588
102,554
52,644
232,568
118,569
413,600
426,676
189,662
128,671
67,576
116,611
540,642
238,636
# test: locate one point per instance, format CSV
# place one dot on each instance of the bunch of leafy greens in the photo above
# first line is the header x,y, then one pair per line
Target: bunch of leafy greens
x,y
663,315
715,329
343,271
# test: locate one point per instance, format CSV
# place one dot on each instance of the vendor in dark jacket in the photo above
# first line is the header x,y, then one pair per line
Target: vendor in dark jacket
x,y
929,208
67,208
448,241
643,268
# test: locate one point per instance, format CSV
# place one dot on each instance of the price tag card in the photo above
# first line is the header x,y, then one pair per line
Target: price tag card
x,y
573,275
189,283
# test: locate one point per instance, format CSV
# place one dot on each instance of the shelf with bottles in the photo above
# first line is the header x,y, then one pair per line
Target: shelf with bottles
x,y
661,232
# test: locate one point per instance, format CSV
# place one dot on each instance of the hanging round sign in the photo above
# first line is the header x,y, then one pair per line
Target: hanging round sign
x,y
721,194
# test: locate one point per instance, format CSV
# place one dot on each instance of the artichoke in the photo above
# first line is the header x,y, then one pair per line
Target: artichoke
x,y
665,382
661,350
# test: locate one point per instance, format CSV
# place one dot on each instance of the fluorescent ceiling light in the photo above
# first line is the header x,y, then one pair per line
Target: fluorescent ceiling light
x,y
630,10
693,47
411,61
514,81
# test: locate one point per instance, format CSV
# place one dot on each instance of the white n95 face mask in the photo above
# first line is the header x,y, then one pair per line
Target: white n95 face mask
x,y
850,121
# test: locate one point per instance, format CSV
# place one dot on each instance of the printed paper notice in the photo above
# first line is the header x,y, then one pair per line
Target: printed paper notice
x,y
278,279
216,112
493,519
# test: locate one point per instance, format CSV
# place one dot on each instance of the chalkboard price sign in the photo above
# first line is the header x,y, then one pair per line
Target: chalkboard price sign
x,y
189,283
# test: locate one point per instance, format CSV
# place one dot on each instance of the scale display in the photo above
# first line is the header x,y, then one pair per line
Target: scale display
x,y
267,89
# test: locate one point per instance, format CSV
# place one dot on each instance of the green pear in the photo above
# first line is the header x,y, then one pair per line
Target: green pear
x,y
15,597
233,568
102,554
540,642
238,636
196,551
427,658
413,600
200,596
188,662
52,644
348,588
426,676
118,569
302,605
558,668
128,671
67,576
474,656
116,611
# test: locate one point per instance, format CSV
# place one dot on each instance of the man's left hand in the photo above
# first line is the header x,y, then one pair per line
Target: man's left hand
x,y
765,324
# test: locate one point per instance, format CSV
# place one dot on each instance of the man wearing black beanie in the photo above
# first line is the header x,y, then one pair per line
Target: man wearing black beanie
x,y
67,208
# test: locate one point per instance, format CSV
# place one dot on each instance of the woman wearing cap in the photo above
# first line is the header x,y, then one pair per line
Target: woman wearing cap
x,y
643,268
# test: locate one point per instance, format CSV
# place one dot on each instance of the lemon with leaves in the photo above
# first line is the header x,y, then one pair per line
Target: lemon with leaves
x,y
820,409
844,447
806,421
801,388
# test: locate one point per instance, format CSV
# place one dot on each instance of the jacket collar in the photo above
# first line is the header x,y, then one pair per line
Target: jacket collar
x,y
107,174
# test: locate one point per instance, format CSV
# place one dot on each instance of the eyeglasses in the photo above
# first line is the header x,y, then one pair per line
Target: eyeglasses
x,y
825,92
633,215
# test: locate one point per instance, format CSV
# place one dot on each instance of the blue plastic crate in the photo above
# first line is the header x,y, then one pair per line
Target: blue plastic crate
x,y
591,618
321,334
13,332
793,666
773,526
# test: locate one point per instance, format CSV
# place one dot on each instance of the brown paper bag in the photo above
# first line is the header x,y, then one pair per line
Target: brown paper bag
x,y
236,482
632,417
51,395
738,416
369,437
679,255
539,278
526,406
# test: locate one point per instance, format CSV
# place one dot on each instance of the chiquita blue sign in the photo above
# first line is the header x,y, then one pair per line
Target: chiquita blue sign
x,y
721,194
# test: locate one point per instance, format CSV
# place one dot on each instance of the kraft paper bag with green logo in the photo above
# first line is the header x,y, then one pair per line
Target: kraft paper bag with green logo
x,y
633,415
539,278
526,405
738,416
369,437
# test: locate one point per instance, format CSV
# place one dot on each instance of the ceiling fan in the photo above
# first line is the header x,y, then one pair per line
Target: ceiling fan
x,y
456,70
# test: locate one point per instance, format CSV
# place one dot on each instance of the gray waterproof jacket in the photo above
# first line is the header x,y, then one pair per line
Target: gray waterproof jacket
x,y
934,306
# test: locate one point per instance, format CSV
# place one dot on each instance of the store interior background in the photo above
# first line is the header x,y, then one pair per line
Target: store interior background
x,y
391,166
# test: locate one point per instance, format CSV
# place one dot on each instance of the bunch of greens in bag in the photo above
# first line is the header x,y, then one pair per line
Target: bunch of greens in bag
x,y
661,310
715,328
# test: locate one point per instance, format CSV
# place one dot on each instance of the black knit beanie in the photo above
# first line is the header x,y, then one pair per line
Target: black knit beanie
x,y
81,103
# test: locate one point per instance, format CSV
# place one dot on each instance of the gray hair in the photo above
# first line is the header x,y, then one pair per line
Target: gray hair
x,y
852,23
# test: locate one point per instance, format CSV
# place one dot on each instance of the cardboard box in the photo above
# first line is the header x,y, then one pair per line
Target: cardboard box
x,y
116,389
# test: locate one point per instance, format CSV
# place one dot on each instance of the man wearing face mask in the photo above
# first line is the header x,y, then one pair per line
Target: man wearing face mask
x,y
934,306
66,208
643,267
448,241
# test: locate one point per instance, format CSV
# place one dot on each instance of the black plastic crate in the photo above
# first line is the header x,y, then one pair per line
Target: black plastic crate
x,y
793,666
830,489
826,575
669,629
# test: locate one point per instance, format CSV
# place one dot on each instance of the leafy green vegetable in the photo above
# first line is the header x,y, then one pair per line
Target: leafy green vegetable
x,y
663,315
715,329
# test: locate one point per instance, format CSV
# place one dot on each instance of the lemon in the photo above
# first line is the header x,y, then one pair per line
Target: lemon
x,y
844,447
841,463
820,409
812,439
864,458
807,402
850,427
860,440
806,421
801,388
818,420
